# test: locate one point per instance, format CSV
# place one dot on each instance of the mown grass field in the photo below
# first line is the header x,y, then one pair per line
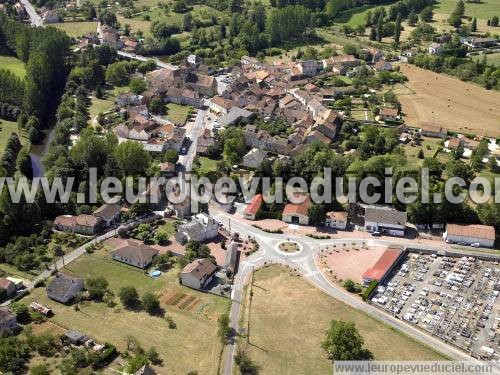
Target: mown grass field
x,y
484,10
354,17
77,29
6,129
194,337
13,64
288,321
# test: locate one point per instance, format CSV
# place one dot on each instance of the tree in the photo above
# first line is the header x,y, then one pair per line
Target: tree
x,y
187,21
151,303
97,287
412,18
156,106
494,21
23,163
245,364
22,312
161,236
132,158
351,286
426,14
163,261
397,29
99,93
137,85
116,74
420,154
316,214
473,26
14,354
129,297
380,27
344,343
455,18
171,156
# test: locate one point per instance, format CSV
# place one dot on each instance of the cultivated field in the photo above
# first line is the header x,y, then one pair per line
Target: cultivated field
x,y
195,315
288,321
447,101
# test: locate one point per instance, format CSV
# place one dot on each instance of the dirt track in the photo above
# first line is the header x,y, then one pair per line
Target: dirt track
x,y
449,102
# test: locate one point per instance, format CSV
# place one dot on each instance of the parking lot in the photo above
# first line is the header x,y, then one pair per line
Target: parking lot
x,y
451,297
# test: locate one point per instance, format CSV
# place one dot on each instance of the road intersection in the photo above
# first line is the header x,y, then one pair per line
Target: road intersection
x,y
305,263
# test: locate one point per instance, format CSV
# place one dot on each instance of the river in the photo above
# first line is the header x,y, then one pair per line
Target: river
x,y
39,151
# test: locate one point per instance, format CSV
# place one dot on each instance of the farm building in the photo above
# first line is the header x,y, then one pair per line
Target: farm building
x,y
385,219
483,235
253,208
135,254
198,273
383,267
297,213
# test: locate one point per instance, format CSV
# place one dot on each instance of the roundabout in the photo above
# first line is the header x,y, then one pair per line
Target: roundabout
x,y
288,247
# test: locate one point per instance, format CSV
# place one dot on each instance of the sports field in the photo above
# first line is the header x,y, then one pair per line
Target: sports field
x,y
449,102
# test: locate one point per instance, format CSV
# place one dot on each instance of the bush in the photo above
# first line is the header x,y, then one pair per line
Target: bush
x,y
369,290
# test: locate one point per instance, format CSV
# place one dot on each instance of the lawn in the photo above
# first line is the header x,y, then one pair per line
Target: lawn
x,y
77,29
354,17
105,104
288,321
207,164
178,114
484,10
6,129
14,65
168,227
428,146
194,337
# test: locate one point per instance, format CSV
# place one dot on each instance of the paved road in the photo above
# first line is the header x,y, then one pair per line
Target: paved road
x,y
158,62
305,262
70,257
36,20
186,161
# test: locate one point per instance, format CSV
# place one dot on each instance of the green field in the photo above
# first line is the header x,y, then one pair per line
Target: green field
x,y
288,321
484,10
354,17
6,129
492,58
428,146
13,64
77,29
194,337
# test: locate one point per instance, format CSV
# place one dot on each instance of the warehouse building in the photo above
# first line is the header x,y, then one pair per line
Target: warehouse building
x,y
478,235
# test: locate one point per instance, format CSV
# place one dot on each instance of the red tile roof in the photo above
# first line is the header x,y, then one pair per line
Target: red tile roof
x,y
383,265
474,230
254,205
298,209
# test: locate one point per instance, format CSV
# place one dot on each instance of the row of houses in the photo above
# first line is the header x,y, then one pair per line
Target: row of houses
x,y
104,217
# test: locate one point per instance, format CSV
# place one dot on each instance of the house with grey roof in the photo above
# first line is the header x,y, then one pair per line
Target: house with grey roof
x,y
198,273
385,220
135,254
253,158
64,287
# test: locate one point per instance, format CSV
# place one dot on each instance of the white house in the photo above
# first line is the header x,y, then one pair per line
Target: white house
x,y
484,235
435,48
308,67
198,273
202,228
336,220
386,220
